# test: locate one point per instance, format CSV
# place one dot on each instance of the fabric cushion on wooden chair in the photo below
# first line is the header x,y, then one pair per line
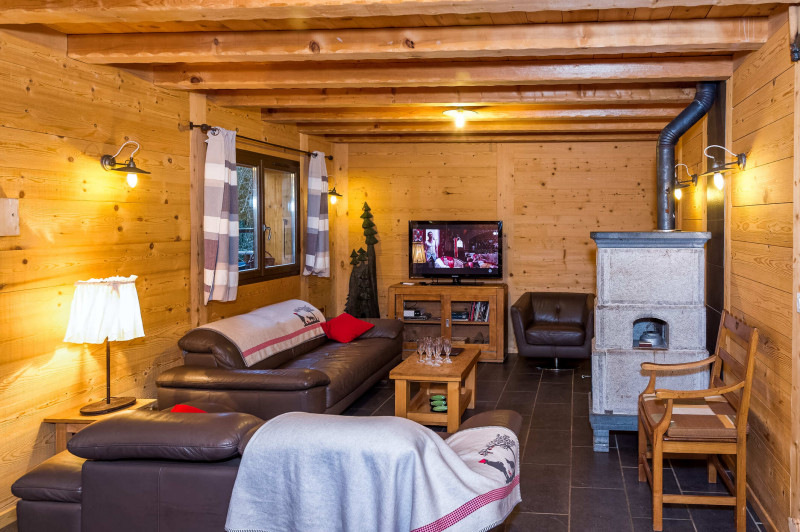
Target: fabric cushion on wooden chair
x,y
709,418
555,334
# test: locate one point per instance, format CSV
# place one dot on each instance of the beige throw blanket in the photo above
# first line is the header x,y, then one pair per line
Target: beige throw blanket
x,y
263,332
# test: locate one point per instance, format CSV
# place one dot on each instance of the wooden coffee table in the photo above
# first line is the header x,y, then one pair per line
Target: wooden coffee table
x,y
456,381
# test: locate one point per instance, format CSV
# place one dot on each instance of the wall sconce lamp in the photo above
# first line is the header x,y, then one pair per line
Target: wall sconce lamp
x,y
460,116
333,195
720,168
128,167
683,184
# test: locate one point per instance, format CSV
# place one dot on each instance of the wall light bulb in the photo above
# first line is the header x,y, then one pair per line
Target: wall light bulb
x,y
333,200
132,180
678,193
719,180
460,119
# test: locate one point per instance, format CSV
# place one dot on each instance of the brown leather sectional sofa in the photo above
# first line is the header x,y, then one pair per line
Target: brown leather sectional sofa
x,y
151,471
319,376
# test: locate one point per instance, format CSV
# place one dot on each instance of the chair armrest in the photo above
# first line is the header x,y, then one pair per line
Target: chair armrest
x,y
242,379
650,366
697,394
521,316
654,368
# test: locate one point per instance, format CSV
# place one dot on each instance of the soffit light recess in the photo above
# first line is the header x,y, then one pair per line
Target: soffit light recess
x,y
460,115
109,162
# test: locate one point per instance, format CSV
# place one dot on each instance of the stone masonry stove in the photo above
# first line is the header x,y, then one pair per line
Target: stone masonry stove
x,y
650,308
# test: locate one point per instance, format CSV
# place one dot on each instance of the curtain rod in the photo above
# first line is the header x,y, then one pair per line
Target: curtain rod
x,y
205,128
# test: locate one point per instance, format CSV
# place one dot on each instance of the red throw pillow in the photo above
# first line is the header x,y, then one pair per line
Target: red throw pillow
x,y
187,409
345,328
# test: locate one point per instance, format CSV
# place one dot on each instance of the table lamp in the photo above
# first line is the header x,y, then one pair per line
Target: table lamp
x,y
105,310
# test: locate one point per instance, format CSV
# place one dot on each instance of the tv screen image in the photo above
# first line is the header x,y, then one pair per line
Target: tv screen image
x,y
457,249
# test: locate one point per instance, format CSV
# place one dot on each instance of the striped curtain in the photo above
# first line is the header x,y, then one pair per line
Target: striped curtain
x,y
317,245
220,218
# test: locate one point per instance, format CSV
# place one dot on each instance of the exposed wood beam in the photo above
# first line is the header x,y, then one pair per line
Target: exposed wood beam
x,y
522,126
431,74
530,40
434,114
565,137
132,11
453,96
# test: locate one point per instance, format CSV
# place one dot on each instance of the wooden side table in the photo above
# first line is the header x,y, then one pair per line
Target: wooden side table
x,y
458,379
70,422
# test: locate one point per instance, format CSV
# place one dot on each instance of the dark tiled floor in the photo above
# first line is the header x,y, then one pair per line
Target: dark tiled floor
x,y
565,485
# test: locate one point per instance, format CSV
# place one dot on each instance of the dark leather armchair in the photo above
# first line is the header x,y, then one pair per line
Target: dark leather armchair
x,y
554,324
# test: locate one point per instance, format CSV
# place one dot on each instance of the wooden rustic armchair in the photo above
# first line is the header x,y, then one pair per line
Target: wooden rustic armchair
x,y
710,422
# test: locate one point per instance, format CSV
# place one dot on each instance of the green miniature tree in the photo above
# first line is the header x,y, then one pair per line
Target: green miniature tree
x,y
362,296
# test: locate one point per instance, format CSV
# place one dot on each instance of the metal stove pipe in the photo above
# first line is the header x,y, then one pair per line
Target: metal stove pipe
x,y
665,201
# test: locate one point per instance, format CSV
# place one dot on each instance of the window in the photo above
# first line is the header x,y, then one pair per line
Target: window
x,y
268,219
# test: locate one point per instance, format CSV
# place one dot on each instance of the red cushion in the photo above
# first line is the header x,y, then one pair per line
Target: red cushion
x,y
187,409
345,328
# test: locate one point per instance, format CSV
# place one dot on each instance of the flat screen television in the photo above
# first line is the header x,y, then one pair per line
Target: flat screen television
x,y
455,250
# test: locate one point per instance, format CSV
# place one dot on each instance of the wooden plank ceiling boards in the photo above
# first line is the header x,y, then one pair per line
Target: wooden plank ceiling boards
x,y
389,68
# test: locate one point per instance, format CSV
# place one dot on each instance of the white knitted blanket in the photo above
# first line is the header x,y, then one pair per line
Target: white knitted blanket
x,y
271,329
322,473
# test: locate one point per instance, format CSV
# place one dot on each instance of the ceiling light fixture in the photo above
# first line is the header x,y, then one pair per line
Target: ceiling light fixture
x,y
109,162
460,116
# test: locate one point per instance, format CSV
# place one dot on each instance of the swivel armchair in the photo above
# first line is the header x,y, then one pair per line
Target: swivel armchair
x,y
554,325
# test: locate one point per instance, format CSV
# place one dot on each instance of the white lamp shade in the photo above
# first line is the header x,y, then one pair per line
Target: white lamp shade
x,y
104,308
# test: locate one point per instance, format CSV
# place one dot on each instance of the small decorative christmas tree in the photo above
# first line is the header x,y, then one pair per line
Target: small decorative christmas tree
x,y
362,297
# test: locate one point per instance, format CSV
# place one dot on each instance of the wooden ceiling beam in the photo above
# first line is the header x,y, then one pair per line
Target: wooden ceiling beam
x,y
328,74
530,40
492,137
135,11
454,96
521,126
434,114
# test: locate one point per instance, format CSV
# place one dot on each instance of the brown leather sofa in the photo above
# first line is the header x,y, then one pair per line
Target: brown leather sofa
x,y
151,471
319,376
554,324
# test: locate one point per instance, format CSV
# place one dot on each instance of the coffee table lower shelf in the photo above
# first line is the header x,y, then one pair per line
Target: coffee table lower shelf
x,y
419,409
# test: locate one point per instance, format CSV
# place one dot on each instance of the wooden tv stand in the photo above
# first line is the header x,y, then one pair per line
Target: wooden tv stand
x,y
484,327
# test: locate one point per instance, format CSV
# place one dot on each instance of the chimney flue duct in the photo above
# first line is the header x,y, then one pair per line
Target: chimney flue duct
x,y
665,201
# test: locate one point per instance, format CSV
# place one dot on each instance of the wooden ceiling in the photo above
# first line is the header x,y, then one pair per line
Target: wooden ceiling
x,y
377,70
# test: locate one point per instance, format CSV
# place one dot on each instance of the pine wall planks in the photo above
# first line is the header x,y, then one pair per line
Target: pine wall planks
x,y
759,227
550,196
57,117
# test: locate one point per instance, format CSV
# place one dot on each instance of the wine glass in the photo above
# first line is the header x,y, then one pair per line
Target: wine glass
x,y
432,353
420,350
447,346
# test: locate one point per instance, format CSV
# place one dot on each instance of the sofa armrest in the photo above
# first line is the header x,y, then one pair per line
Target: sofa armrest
x,y
495,418
383,329
164,436
242,379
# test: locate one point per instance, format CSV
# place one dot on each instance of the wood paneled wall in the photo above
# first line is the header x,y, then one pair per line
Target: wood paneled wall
x,y
759,227
762,112
691,208
57,116
79,221
550,196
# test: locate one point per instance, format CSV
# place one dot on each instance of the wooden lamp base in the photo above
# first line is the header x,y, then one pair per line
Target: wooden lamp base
x,y
110,404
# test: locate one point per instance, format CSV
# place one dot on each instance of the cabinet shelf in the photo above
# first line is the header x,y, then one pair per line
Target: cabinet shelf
x,y
440,301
